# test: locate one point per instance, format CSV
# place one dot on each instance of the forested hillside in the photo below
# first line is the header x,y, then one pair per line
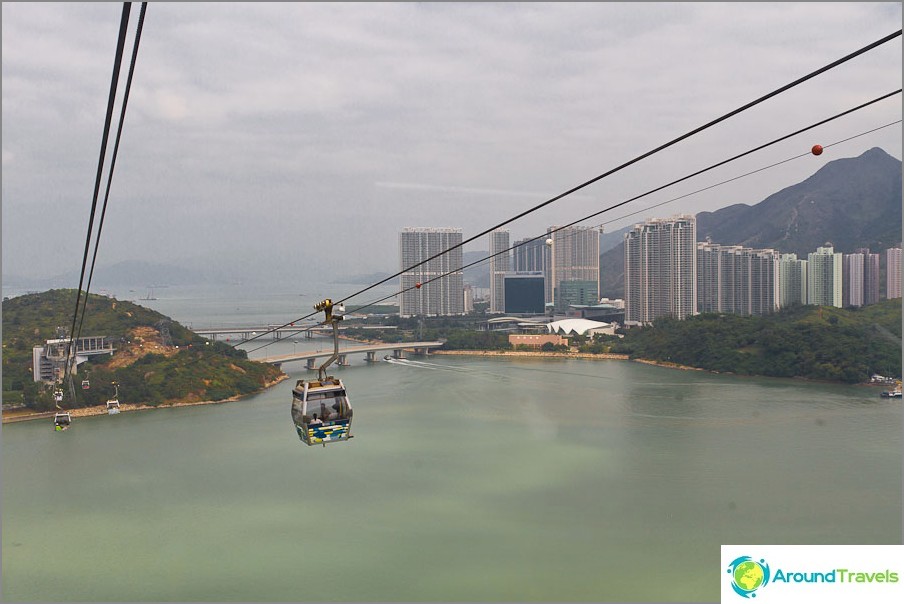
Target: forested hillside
x,y
149,367
824,343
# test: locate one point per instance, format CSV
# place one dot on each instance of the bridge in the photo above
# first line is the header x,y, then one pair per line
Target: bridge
x,y
278,333
370,351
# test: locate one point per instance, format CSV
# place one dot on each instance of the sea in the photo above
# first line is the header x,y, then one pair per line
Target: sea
x,y
467,479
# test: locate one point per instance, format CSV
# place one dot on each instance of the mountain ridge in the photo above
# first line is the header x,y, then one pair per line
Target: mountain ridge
x,y
849,202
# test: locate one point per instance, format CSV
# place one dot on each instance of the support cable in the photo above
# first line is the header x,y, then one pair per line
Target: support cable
x,y
524,242
117,64
672,142
122,119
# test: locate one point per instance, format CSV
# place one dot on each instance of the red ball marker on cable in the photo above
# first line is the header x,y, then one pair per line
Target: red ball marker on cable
x,y
817,149
417,285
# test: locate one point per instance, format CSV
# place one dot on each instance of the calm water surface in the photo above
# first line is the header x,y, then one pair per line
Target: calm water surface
x,y
468,479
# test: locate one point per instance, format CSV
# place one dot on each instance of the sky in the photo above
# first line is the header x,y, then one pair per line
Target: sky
x,y
295,140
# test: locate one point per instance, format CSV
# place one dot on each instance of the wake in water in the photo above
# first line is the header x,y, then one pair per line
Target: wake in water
x,y
425,365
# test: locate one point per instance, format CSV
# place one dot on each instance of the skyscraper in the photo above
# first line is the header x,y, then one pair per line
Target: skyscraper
x,y
893,273
870,276
573,256
737,280
500,264
852,280
792,280
444,296
661,269
529,255
824,277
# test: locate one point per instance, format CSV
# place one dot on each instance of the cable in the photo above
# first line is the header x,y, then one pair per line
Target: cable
x,y
117,63
716,165
122,119
647,154
526,241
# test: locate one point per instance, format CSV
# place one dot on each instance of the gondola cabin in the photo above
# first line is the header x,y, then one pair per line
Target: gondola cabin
x,y
321,411
62,421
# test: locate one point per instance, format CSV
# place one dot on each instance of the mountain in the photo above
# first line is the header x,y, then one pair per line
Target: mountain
x,y
852,202
129,272
479,274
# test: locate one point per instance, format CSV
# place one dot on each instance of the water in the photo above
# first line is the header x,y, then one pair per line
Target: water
x,y
468,478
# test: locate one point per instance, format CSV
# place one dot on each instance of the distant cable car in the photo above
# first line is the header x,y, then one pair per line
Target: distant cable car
x,y
113,403
62,421
58,396
321,410
85,383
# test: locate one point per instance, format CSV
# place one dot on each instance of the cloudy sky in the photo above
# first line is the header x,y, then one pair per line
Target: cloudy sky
x,y
301,137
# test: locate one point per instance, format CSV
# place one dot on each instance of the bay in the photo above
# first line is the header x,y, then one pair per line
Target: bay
x,y
468,479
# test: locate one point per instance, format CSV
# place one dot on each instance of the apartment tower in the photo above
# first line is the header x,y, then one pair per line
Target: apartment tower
x,y
445,295
661,269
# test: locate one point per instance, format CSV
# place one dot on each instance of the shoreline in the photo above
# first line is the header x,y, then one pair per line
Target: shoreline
x,y
129,407
530,353
566,355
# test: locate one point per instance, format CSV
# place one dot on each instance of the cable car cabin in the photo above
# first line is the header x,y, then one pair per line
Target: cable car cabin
x,y
86,384
321,411
58,396
61,421
113,406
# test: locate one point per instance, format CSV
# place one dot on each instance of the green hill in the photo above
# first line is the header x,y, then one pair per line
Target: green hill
x,y
148,367
816,342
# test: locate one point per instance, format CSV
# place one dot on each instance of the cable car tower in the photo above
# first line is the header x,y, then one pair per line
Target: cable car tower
x,y
321,410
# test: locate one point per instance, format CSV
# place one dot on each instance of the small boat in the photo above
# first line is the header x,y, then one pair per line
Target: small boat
x,y
891,394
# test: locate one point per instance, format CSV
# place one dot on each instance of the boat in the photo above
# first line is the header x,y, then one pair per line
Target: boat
x,y
896,393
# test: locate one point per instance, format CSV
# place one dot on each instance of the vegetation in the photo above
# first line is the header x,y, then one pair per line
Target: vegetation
x,y
148,367
823,343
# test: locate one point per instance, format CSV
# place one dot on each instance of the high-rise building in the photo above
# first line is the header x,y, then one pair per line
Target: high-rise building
x,y
524,293
852,278
737,280
661,269
444,296
573,256
824,277
792,280
500,264
529,255
893,273
870,276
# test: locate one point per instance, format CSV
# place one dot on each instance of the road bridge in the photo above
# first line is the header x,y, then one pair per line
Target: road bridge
x,y
278,333
370,351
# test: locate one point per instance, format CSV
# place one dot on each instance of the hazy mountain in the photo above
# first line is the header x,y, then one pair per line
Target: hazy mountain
x,y
130,272
479,274
853,202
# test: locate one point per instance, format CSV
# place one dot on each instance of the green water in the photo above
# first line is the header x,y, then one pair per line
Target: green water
x,y
469,479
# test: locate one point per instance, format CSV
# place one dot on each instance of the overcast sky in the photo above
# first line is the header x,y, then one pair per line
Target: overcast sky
x,y
303,137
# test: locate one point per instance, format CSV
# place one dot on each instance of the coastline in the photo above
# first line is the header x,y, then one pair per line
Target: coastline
x,y
525,353
127,407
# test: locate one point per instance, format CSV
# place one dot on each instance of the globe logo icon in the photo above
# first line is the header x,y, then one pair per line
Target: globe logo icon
x,y
748,575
